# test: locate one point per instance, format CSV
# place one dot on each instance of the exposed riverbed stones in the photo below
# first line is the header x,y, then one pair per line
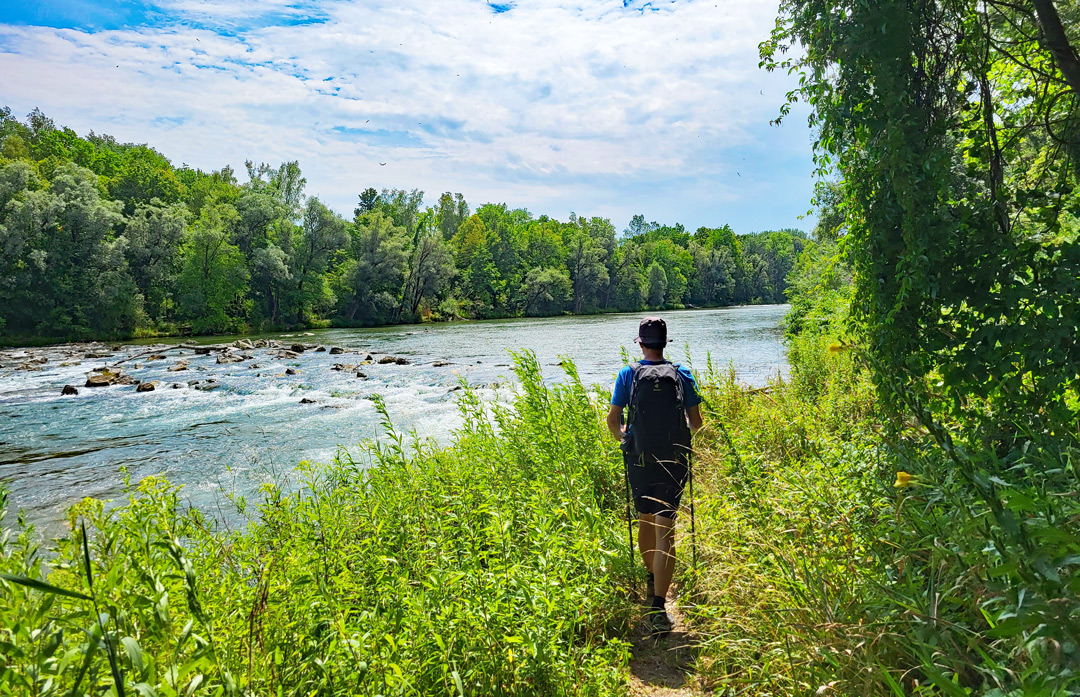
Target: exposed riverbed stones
x,y
291,371
177,367
104,377
69,389
440,364
343,366
145,387
386,360
307,400
298,348
336,350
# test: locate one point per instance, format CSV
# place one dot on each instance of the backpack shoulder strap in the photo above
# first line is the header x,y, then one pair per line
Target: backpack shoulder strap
x,y
635,368
680,388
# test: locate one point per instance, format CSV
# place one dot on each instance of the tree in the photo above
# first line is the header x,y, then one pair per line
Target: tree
x,y
432,269
403,207
658,285
376,270
452,212
714,277
154,233
285,182
213,277
66,274
546,291
369,199
322,234
585,265
259,213
270,276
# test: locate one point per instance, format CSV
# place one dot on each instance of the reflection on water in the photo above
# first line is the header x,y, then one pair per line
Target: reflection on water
x,y
55,450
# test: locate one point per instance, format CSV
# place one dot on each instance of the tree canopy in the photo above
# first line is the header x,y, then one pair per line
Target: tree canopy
x,y
102,238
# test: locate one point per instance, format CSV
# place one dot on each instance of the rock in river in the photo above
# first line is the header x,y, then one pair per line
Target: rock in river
x,y
180,365
290,371
229,357
305,400
69,389
297,348
336,350
145,387
343,366
105,377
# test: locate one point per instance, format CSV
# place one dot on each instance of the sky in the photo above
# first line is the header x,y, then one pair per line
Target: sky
x,y
609,108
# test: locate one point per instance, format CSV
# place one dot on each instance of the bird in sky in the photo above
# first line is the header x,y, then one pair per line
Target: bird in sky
x,y
382,164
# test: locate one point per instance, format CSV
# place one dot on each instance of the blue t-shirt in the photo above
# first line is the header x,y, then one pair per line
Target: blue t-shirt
x,y
620,397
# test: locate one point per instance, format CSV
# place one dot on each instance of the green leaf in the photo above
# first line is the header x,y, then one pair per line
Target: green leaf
x,y
134,652
44,587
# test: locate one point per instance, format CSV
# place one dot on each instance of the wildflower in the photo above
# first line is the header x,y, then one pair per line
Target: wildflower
x,y
904,480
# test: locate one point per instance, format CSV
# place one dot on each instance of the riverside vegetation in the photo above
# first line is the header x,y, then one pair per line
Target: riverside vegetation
x,y
109,240
899,518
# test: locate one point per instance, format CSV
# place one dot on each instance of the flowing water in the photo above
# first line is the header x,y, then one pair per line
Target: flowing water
x,y
55,450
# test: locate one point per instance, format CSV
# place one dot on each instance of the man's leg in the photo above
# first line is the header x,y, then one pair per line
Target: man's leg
x,y
647,539
663,562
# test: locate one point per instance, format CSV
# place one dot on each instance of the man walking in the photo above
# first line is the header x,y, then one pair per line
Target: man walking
x,y
664,409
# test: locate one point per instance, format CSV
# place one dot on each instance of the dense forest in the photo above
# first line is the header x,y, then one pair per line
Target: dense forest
x,y
101,238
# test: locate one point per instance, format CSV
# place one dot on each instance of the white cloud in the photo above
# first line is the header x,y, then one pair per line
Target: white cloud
x,y
551,106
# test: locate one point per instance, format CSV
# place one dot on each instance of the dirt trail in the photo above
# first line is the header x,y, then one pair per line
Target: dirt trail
x,y
664,667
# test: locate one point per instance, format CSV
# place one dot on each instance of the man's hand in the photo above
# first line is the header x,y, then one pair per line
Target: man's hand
x,y
614,422
693,417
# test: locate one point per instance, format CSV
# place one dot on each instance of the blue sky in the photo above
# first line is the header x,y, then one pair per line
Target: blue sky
x,y
603,108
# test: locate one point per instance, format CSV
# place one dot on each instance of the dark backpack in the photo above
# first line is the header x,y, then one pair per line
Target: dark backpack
x,y
656,415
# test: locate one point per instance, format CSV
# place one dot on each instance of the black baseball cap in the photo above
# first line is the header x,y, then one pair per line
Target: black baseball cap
x,y
652,330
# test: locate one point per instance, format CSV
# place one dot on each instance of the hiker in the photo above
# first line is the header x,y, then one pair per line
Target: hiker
x,y
663,401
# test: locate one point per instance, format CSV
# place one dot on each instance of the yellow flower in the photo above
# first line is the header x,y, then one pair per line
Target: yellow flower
x,y
903,480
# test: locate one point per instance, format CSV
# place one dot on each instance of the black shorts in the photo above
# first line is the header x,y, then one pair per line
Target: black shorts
x,y
657,485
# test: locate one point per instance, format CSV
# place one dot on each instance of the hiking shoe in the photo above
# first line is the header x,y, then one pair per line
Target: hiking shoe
x,y
659,622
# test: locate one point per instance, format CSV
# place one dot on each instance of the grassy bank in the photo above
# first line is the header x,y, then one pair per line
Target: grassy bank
x,y
844,552
495,566
498,565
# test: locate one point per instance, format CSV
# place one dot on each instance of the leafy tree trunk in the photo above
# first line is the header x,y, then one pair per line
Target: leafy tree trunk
x,y
1058,42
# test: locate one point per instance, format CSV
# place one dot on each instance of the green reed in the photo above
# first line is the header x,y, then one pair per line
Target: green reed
x,y
494,566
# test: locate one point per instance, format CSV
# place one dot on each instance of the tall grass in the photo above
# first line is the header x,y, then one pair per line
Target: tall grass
x,y
495,566
819,575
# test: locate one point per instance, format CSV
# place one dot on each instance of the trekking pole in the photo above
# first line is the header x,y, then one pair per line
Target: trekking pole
x,y
629,510
693,523
629,517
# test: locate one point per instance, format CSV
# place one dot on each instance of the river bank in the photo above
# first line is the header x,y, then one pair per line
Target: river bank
x,y
245,421
8,342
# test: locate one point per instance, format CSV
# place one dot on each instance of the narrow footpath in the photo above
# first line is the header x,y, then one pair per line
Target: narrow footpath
x,y
664,667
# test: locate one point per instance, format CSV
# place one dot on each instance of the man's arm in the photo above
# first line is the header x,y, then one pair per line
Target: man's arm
x,y
614,422
693,415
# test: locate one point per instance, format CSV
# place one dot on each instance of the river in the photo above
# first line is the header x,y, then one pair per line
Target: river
x,y
55,450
